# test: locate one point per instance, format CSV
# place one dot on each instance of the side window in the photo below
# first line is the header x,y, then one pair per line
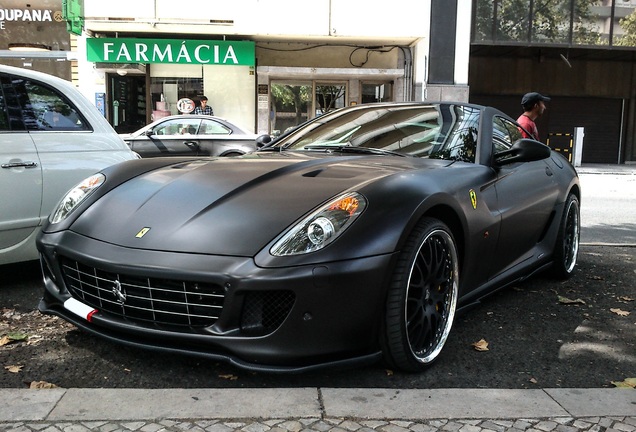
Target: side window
x,y
458,134
501,137
513,129
4,115
44,109
209,127
11,113
177,127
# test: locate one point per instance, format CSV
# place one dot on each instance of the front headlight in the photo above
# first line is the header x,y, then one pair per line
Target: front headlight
x,y
75,196
321,227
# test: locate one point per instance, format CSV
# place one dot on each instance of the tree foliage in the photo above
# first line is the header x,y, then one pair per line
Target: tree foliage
x,y
628,24
537,21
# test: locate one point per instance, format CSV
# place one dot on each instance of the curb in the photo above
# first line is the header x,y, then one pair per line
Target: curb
x,y
410,404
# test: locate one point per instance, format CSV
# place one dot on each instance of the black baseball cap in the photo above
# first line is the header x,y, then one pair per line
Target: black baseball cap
x,y
532,98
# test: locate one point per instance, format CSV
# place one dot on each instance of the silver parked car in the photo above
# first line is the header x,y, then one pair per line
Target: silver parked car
x,y
191,135
51,137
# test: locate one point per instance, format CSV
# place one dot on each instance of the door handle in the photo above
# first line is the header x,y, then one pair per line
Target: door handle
x,y
191,144
20,165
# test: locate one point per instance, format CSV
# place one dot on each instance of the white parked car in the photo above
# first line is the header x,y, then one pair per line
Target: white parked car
x,y
51,137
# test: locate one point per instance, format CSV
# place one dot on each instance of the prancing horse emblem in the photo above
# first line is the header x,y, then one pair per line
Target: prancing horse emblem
x,y
119,292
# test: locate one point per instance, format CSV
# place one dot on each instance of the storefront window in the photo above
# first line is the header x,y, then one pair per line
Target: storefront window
x,y
376,92
290,105
165,92
229,90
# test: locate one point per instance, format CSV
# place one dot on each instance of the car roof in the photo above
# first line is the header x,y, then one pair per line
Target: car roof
x,y
40,76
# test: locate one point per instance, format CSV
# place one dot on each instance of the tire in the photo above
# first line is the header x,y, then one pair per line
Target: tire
x,y
566,248
232,154
422,297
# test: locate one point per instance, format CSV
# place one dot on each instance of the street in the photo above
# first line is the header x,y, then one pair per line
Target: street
x,y
540,333
608,208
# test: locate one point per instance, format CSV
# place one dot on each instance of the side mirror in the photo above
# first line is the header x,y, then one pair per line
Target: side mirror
x,y
523,150
263,140
149,132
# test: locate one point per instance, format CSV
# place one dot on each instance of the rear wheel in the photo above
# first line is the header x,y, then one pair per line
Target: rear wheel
x,y
566,249
422,297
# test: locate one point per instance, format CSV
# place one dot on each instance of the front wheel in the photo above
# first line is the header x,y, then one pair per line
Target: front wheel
x,y
566,249
422,297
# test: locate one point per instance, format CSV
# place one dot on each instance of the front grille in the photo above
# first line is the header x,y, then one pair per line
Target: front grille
x,y
264,311
162,301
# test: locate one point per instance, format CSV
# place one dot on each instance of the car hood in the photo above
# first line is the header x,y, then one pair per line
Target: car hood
x,y
233,206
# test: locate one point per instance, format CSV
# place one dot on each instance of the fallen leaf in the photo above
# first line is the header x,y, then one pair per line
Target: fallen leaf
x,y
229,377
18,336
41,385
619,312
482,345
13,337
628,383
565,300
626,299
14,368
389,372
533,380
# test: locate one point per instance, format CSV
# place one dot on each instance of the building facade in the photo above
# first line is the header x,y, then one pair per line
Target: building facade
x,y
33,35
581,53
307,58
268,65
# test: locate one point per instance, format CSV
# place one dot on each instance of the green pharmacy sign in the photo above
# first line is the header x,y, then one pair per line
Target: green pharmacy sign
x,y
73,13
181,51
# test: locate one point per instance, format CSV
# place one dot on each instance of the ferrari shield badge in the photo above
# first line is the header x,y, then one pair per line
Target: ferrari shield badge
x,y
473,198
142,232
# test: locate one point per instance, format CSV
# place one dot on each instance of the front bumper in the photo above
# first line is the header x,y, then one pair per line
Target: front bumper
x,y
329,314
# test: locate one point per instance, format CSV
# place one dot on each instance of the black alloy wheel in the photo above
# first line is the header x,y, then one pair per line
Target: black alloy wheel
x,y
422,297
566,248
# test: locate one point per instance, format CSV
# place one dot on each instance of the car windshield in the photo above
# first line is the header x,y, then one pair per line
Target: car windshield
x,y
436,131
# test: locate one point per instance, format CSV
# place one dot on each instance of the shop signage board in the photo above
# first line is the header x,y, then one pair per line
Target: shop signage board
x,y
73,13
180,51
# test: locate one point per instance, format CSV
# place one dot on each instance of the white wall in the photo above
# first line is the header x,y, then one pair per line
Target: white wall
x,y
337,18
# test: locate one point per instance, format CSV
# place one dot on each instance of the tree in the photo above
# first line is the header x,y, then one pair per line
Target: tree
x,y
628,24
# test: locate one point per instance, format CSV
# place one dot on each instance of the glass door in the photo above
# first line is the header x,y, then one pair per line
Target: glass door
x,y
328,96
290,105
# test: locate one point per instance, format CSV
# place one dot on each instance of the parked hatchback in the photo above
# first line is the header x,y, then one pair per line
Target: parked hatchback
x,y
51,137
191,135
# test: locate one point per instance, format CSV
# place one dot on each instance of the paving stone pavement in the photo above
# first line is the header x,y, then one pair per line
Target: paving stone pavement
x,y
318,409
556,424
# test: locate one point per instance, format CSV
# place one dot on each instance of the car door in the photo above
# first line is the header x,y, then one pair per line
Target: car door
x,y
218,139
526,194
172,137
20,173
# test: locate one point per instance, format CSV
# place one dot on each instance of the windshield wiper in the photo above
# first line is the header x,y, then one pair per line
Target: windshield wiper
x,y
352,149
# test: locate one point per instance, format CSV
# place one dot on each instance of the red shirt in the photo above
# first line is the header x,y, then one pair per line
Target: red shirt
x,y
528,124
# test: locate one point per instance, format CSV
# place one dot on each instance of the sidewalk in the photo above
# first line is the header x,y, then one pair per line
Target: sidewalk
x,y
318,409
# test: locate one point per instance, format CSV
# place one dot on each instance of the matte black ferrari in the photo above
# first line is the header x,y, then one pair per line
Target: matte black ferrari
x,y
353,238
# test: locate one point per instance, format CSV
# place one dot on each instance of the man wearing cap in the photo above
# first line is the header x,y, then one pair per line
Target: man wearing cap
x,y
533,107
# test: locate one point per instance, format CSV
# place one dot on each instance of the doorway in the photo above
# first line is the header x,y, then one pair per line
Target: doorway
x,y
127,102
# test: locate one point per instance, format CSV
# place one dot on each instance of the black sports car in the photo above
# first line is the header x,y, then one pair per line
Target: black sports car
x,y
355,237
